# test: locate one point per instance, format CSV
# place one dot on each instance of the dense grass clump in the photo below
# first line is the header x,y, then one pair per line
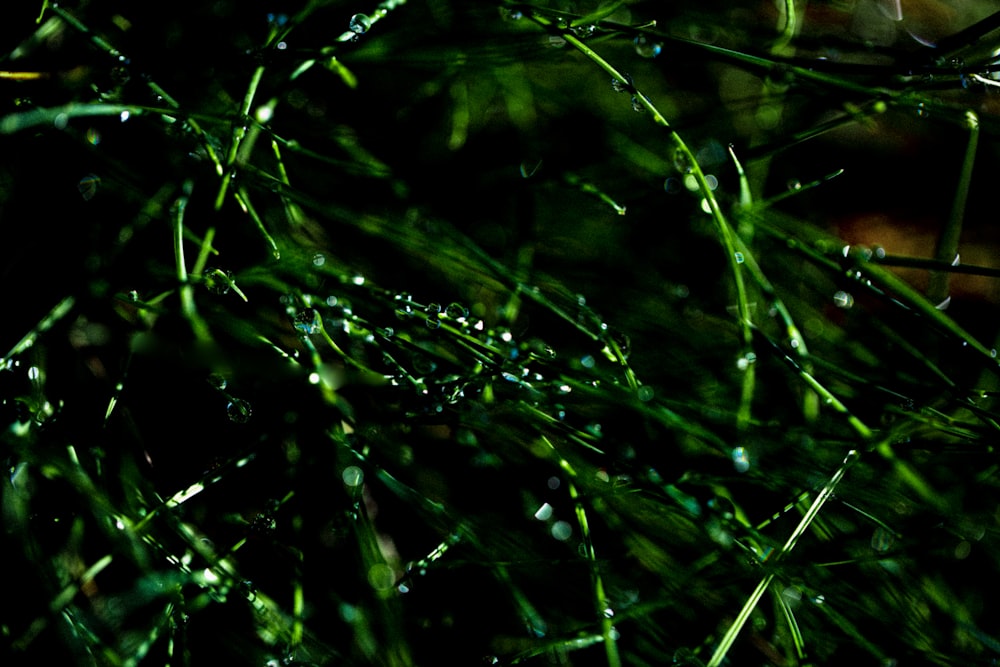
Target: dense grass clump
x,y
430,332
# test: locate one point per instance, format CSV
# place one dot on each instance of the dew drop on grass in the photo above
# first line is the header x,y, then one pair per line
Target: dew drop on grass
x,y
637,104
646,47
218,381
353,476
87,187
882,540
741,459
544,513
319,259
218,281
682,162
360,23
456,311
672,185
842,299
561,530
307,321
433,323
239,411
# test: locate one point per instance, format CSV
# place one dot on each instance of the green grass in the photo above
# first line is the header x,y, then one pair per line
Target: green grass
x,y
435,333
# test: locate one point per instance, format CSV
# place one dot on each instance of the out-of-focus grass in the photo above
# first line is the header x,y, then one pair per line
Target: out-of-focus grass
x,y
425,333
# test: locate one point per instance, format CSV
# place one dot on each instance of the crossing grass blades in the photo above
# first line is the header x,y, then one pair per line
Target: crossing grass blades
x,y
425,333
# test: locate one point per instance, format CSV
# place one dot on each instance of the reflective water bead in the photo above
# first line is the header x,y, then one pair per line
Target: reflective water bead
x,y
87,187
353,476
842,299
360,23
544,513
562,530
307,321
646,47
741,459
319,259
433,323
432,308
746,360
218,381
682,161
239,411
637,104
456,311
218,281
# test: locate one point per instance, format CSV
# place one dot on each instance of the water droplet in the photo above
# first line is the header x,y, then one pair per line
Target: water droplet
x,y
646,47
319,259
433,323
682,161
843,300
403,312
218,281
511,14
741,459
456,311
746,360
619,86
794,184
87,187
587,361
385,332
353,476
307,321
882,540
360,23
645,394
239,411
544,512
739,257
218,381
672,185
584,31
637,104
561,530
432,308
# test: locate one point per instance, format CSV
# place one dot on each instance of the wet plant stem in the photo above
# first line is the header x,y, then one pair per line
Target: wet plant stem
x,y
188,308
725,232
